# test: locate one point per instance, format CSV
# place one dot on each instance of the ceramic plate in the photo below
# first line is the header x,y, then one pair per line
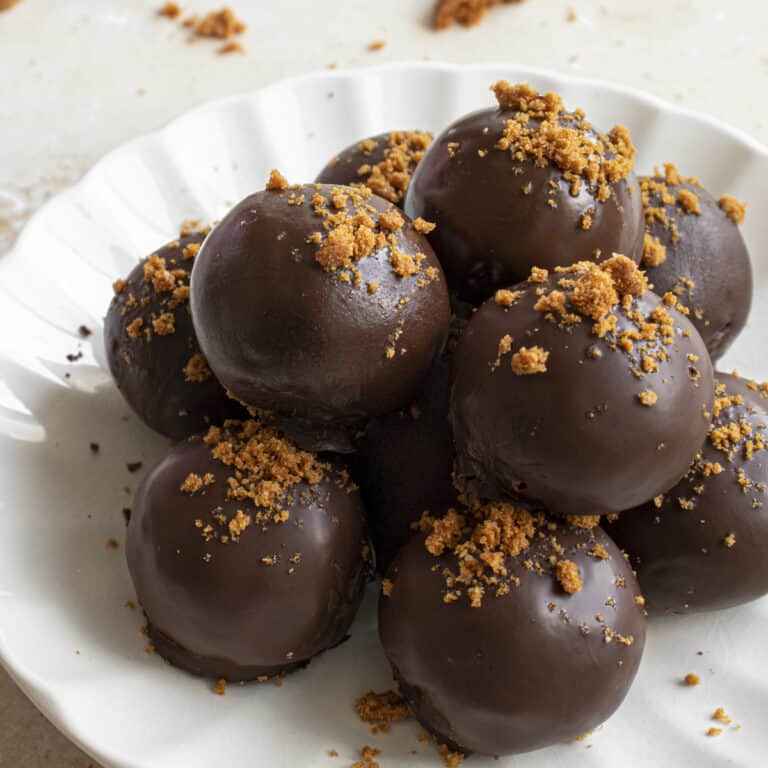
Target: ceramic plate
x,y
66,634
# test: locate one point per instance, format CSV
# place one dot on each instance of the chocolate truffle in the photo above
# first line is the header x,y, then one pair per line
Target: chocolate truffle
x,y
509,632
527,184
321,303
249,557
405,465
693,247
383,163
580,390
703,545
151,346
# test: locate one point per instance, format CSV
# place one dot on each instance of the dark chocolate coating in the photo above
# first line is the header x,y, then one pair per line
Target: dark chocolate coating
x,y
712,254
405,466
284,335
489,232
681,556
346,167
150,373
232,616
574,439
522,671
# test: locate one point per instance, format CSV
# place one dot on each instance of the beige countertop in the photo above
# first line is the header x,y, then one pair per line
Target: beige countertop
x,y
84,76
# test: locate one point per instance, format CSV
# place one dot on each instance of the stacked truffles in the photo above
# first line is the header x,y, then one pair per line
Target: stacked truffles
x,y
481,364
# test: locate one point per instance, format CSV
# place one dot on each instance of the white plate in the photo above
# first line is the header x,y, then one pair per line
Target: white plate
x,y
65,633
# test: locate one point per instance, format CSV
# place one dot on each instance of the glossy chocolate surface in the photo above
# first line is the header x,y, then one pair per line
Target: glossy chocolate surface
x,y
217,609
575,439
491,232
284,335
149,370
680,545
525,670
709,251
405,465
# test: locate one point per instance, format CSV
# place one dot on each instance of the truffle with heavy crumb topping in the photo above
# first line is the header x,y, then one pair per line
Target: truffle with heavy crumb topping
x,y
702,545
248,555
288,273
615,411
152,349
539,640
383,163
693,248
525,184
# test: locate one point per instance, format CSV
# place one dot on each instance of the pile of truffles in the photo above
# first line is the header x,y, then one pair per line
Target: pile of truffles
x,y
481,364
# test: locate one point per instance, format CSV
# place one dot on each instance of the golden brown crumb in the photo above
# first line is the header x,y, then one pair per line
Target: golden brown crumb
x,y
220,687
506,298
538,275
170,11
164,325
423,226
6,5
381,709
734,209
450,759
368,754
713,731
196,370
221,24
277,182
119,285
233,46
654,251
584,521
689,201
112,544
386,587
134,327
648,398
730,540
568,576
721,717
529,360
692,679
377,45
467,13
192,483
332,753
373,286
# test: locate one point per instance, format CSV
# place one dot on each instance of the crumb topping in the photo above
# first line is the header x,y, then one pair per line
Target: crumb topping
x,y
196,370
568,576
529,360
542,130
353,229
733,208
389,178
263,471
692,679
221,25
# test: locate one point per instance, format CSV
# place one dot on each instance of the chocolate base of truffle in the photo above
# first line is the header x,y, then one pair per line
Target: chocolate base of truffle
x,y
203,666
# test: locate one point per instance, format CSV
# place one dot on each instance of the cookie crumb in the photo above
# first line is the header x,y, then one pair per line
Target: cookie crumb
x,y
733,208
529,360
220,687
377,45
170,11
692,679
112,544
568,576
381,710
713,731
730,540
467,13
277,182
386,587
648,398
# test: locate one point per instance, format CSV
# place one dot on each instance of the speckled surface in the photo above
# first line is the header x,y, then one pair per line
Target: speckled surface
x,y
123,72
